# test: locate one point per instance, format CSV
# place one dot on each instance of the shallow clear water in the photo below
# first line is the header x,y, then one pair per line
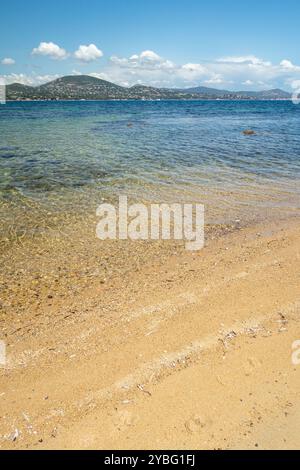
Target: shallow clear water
x,y
67,156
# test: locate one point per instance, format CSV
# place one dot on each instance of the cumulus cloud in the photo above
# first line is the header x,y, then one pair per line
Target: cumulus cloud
x,y
289,66
150,68
101,75
252,71
51,50
146,60
8,61
248,59
88,53
216,79
198,68
31,80
190,74
17,78
146,67
149,55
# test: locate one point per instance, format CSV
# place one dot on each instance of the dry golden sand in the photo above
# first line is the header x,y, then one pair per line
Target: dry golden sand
x,y
192,352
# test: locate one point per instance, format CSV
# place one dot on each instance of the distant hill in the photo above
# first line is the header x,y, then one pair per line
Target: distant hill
x,y
19,91
267,94
81,87
274,94
202,90
84,87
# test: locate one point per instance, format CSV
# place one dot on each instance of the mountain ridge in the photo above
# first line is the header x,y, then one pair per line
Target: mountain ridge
x,y
86,87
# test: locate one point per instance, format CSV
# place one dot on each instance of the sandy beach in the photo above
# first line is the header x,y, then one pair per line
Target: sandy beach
x,y
149,231
188,351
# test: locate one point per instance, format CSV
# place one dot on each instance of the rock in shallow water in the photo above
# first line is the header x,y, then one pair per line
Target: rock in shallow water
x,y
249,132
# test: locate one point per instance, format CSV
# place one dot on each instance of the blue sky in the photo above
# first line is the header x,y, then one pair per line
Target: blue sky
x,y
223,44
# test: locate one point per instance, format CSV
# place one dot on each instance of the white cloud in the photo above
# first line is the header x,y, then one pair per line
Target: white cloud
x,y
191,74
17,78
194,68
146,60
101,75
250,70
247,59
31,80
232,72
50,49
216,79
8,61
88,53
289,66
149,68
149,55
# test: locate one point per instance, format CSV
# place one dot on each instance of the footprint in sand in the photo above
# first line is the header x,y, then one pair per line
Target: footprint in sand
x,y
252,365
124,419
197,423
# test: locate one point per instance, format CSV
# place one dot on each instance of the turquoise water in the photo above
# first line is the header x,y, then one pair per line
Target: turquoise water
x,y
71,155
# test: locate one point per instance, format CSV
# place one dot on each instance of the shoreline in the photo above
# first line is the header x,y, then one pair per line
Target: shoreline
x,y
107,368
141,100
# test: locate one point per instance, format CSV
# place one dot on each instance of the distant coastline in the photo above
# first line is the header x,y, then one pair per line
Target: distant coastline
x,y
86,88
140,100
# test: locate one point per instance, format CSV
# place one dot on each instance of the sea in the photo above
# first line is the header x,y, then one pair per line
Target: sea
x,y
60,160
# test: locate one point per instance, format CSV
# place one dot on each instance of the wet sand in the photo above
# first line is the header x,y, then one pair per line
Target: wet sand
x,y
172,350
